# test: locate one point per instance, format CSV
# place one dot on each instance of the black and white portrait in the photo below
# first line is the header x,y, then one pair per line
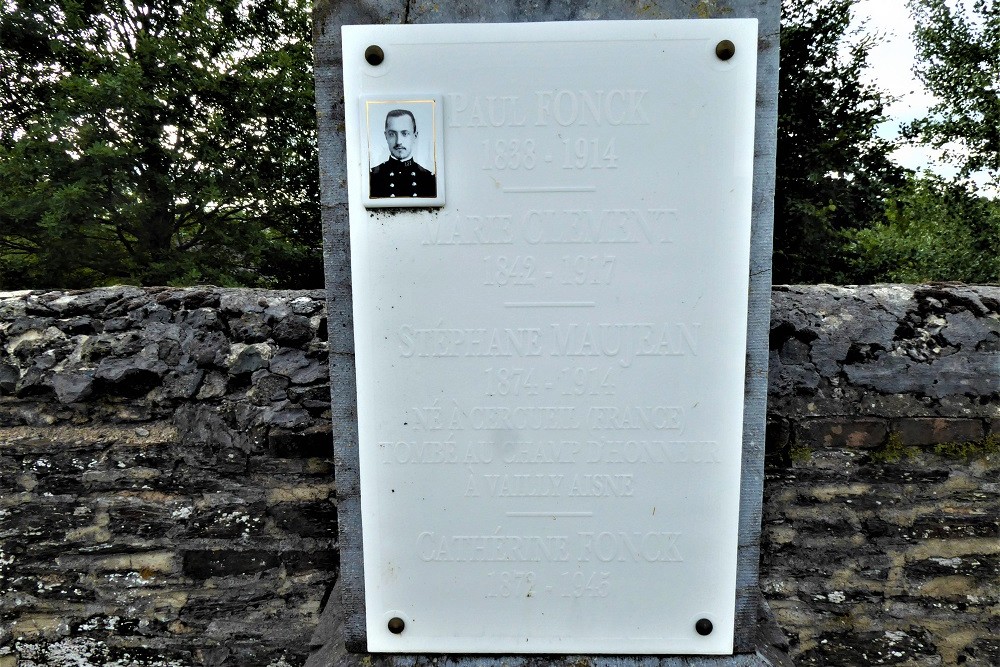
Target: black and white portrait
x,y
404,152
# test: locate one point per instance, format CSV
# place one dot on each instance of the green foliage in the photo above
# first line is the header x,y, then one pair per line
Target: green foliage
x,y
157,143
988,446
893,451
958,60
933,230
833,170
801,454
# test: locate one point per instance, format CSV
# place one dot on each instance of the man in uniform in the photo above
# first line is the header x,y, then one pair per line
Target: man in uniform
x,y
400,175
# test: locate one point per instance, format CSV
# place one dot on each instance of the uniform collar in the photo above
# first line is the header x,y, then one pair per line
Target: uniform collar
x,y
402,163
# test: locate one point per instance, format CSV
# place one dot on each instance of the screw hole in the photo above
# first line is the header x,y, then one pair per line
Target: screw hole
x,y
703,627
374,55
725,49
396,625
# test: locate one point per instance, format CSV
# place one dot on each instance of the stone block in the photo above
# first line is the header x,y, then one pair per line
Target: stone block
x,y
180,385
984,651
141,519
81,325
249,328
302,493
313,442
206,563
149,313
42,521
131,377
912,646
934,431
316,520
267,387
71,387
976,566
153,562
957,526
232,521
32,383
293,330
315,560
189,299
248,358
9,376
308,303
206,348
902,472
853,432
240,301
60,483
32,626
202,318
213,386
299,368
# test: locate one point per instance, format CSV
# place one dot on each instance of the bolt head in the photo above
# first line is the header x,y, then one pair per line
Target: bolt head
x,y
725,49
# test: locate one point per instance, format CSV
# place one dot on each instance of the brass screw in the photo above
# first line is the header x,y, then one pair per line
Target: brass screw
x,y
374,55
396,625
725,49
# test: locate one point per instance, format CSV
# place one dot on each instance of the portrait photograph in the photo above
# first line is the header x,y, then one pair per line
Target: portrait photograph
x,y
405,151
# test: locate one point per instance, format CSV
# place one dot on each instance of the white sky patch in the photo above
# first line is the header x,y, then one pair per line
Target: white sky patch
x,y
891,60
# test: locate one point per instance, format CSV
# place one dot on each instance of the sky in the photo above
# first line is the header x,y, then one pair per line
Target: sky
x,y
891,62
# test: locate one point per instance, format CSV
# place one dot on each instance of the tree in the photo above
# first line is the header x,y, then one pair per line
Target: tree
x,y
833,171
958,60
156,142
933,230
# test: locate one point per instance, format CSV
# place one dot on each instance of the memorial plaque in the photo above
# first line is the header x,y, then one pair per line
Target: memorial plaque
x,y
550,359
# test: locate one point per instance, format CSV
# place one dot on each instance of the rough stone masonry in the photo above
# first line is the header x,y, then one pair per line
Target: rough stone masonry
x,y
168,497
167,493
881,540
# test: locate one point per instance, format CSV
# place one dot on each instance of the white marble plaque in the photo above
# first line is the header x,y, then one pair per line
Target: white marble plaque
x,y
550,360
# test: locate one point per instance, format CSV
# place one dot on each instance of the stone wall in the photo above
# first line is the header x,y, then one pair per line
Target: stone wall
x,y
167,493
881,541
166,496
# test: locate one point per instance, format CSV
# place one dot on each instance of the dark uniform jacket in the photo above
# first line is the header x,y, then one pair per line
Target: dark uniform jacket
x,y
401,178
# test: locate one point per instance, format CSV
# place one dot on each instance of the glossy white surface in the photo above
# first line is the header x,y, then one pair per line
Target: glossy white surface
x,y
550,367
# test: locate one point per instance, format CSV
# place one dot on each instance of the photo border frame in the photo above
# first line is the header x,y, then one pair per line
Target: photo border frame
x,y
370,102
